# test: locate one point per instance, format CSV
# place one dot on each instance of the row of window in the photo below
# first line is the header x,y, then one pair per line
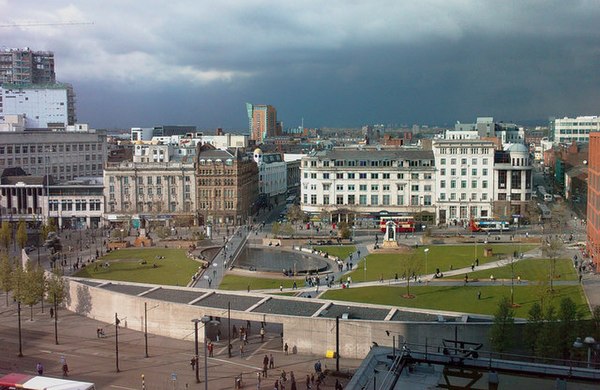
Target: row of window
x,y
464,150
463,161
150,180
45,148
373,200
364,175
364,187
75,205
463,184
463,171
574,131
368,163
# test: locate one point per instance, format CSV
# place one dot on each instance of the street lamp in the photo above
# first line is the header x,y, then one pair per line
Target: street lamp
x,y
590,342
426,250
195,321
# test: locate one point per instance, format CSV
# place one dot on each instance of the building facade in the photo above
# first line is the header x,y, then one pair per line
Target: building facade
x,y
464,180
513,182
262,121
162,193
272,175
227,182
65,155
42,105
25,66
567,130
593,200
363,184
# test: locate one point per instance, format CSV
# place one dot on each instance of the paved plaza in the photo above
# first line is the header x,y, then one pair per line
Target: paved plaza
x,y
93,359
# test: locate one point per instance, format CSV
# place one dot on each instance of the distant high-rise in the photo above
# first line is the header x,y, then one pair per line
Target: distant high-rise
x,y
24,66
262,121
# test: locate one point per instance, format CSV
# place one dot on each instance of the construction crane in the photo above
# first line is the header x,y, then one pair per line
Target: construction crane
x,y
40,24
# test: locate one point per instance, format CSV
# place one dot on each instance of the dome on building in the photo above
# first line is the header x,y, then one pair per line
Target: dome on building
x,y
518,148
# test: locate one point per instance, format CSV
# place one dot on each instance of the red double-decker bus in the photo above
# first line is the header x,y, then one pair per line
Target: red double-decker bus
x,y
404,224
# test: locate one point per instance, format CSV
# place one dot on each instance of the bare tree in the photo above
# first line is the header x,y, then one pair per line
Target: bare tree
x,y
410,266
553,250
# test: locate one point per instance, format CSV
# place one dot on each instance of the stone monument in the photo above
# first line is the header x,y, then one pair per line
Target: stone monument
x,y
389,238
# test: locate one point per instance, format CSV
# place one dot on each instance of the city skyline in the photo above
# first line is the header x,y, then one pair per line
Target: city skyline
x,y
335,65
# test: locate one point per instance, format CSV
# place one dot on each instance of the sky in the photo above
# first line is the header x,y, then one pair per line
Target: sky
x,y
335,63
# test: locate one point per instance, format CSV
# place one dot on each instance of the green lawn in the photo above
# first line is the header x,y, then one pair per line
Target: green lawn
x,y
457,298
237,282
531,269
125,265
439,256
340,251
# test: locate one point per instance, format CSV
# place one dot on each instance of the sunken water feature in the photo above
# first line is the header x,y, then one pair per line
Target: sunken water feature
x,y
277,260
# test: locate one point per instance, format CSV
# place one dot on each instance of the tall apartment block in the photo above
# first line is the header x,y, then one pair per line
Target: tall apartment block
x,y
593,199
25,66
262,121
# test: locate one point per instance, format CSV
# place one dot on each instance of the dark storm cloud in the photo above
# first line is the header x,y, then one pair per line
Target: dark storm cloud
x,y
335,63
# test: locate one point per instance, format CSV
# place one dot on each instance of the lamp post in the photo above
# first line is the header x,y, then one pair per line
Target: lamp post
x,y
426,250
117,321
195,321
590,342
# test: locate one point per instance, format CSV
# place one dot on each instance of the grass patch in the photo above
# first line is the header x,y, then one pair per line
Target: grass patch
x,y
440,256
237,282
458,298
341,251
531,269
125,265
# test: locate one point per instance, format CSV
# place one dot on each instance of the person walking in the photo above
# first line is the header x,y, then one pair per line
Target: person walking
x,y
262,333
307,381
258,379
271,361
285,348
193,363
51,312
39,368
265,366
479,295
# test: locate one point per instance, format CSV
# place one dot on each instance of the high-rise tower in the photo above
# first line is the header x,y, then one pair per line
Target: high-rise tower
x,y
262,120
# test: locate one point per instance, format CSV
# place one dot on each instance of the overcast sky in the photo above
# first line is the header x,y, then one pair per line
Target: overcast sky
x,y
333,62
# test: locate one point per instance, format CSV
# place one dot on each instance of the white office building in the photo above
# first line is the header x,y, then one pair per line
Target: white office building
x,y
464,180
567,130
42,106
363,184
272,175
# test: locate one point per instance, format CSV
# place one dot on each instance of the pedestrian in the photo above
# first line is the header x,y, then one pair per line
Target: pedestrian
x,y
477,262
51,312
307,381
241,350
39,368
479,295
276,386
229,348
211,348
262,333
233,331
318,367
193,363
258,379
271,361
65,369
285,348
472,266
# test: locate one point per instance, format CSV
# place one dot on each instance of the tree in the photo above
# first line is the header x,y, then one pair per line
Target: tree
x,y
57,293
569,318
22,234
6,275
344,230
502,329
5,234
295,213
547,335
33,286
47,228
535,321
287,229
553,250
276,228
410,266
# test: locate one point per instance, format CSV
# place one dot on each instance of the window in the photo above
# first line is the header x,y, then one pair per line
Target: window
x,y
427,200
442,161
453,172
326,163
443,172
427,188
427,176
401,176
474,161
453,196
443,196
474,171
452,161
339,175
325,199
484,197
362,175
463,184
443,184
386,175
362,199
374,187
414,176
351,175
400,200
386,187
313,199
484,171
374,200
484,184
325,175
414,187
362,187
463,196
386,200
351,199
326,187
339,199
463,161
350,187
313,175
339,187
414,200
374,176
149,180
473,183
452,183
485,161
463,171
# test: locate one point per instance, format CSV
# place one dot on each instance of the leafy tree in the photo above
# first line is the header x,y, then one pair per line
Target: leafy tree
x,y
22,234
501,332
553,250
548,333
410,266
33,286
276,228
162,232
57,293
568,326
5,234
287,229
47,228
595,323
535,321
6,275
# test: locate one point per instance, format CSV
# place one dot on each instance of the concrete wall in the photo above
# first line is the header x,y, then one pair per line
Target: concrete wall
x,y
308,335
